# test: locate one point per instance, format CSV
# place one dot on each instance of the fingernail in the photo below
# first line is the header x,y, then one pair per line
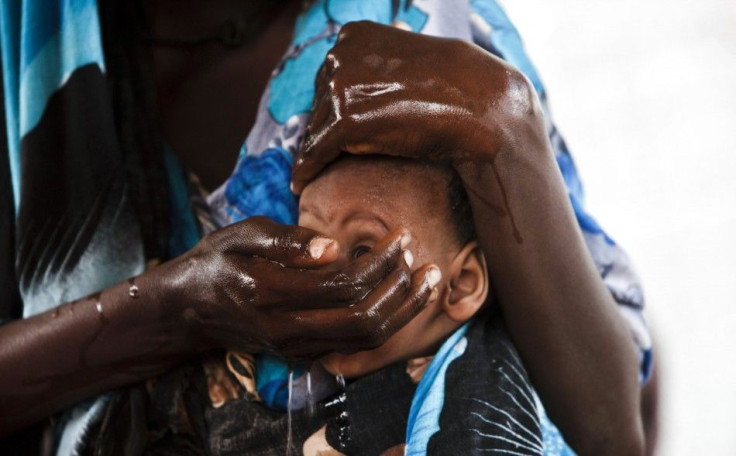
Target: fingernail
x,y
318,245
408,257
405,239
433,277
433,296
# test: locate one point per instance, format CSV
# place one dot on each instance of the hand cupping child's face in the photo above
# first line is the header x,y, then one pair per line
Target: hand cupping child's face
x,y
358,201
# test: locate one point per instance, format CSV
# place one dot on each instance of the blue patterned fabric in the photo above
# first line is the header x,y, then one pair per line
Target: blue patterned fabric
x,y
272,380
289,97
260,186
63,152
43,43
424,415
429,401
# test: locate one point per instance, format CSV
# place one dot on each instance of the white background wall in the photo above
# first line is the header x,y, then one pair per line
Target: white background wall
x,y
644,91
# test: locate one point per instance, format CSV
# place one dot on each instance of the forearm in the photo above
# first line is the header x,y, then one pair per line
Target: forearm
x,y
562,319
84,348
235,290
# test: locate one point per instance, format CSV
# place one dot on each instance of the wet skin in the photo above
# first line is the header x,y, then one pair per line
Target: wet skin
x,y
452,103
357,201
387,91
250,287
236,289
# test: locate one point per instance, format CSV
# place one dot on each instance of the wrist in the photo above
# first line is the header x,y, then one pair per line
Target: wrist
x,y
171,290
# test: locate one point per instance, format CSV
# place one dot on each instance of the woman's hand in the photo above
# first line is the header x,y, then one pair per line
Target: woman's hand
x,y
252,286
256,286
383,90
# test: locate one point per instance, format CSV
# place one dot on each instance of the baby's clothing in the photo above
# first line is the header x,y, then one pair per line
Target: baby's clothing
x,y
474,395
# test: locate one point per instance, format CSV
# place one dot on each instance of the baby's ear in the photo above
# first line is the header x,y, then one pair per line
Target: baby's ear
x,y
467,279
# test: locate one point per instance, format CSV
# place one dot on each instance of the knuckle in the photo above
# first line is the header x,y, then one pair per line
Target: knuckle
x,y
359,279
341,288
335,90
332,61
519,90
376,338
252,229
349,29
366,321
209,241
404,280
369,336
366,278
416,302
386,264
360,286
516,77
371,318
280,242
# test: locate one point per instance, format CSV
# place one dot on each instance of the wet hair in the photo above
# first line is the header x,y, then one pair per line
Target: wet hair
x,y
461,214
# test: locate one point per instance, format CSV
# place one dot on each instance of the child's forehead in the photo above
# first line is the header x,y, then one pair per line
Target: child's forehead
x,y
378,184
369,170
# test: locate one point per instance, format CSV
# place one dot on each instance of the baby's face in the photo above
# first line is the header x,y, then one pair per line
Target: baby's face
x,y
357,201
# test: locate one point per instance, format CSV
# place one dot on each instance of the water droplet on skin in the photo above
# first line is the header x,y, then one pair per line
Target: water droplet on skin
x,y
289,441
133,291
500,211
89,342
310,398
507,206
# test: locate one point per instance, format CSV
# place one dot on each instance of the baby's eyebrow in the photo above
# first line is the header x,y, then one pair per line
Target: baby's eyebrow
x,y
312,210
364,214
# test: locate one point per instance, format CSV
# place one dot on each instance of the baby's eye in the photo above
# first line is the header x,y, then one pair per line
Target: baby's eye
x,y
360,250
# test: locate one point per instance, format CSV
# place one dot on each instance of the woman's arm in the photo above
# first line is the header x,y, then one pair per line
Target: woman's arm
x,y
250,287
56,358
563,320
383,90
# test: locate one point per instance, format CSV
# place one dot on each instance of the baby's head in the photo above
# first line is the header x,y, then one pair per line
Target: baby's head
x,y
358,200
